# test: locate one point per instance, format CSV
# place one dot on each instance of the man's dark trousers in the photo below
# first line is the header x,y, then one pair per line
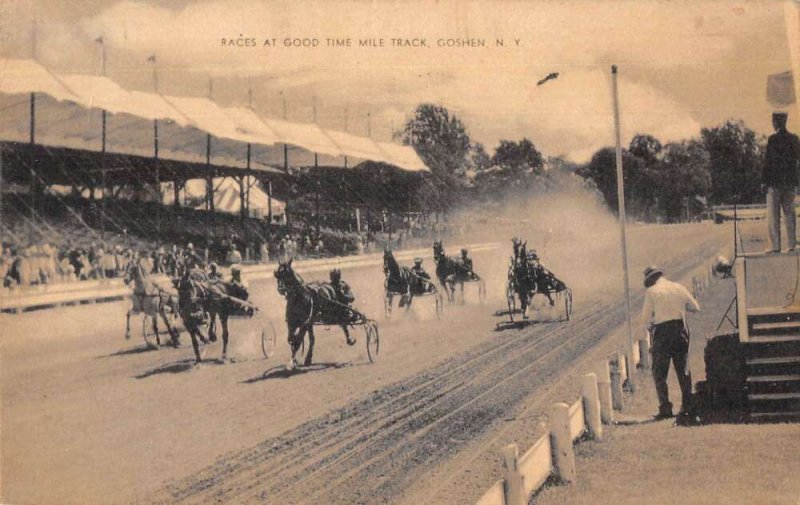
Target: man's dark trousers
x,y
671,342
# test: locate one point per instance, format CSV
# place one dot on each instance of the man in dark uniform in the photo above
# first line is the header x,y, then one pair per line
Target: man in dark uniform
x,y
466,263
421,280
343,295
343,292
780,179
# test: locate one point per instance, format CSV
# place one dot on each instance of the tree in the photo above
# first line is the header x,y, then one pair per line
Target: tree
x,y
685,178
442,142
479,158
735,161
602,170
514,169
645,147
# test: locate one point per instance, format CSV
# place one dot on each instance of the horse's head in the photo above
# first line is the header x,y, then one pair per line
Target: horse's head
x,y
438,251
286,277
389,263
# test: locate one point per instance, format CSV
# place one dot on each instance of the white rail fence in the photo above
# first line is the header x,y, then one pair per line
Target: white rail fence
x,y
552,456
51,295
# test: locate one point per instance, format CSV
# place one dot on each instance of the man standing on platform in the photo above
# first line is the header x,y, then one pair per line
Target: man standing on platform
x,y
780,179
664,315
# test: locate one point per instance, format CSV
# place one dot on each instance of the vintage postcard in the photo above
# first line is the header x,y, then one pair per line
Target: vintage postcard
x,y
399,252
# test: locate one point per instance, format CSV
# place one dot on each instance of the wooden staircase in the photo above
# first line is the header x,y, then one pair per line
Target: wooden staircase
x,y
771,347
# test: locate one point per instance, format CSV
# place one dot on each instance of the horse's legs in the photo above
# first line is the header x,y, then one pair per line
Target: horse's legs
x,y
296,336
525,303
310,353
350,340
389,298
223,318
212,322
173,332
461,286
128,324
193,333
154,317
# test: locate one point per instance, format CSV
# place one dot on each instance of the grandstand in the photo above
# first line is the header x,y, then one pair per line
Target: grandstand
x,y
84,160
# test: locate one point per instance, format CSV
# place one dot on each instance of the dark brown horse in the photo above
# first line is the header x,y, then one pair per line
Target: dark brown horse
x,y
306,305
451,271
201,300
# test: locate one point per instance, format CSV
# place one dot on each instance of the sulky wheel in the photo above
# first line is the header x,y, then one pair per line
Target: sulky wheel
x,y
482,291
373,340
568,303
149,338
268,340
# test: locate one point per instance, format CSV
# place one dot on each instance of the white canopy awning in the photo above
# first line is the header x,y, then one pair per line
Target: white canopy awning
x,y
27,76
358,147
403,156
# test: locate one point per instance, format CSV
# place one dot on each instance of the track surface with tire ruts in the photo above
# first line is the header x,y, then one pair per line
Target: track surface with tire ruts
x,y
97,419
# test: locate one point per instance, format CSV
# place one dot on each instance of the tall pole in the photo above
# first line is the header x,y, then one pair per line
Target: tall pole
x,y
103,166
32,167
621,203
156,163
285,145
345,130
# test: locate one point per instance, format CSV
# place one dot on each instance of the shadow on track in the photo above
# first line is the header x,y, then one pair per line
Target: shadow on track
x,y
281,372
132,350
177,367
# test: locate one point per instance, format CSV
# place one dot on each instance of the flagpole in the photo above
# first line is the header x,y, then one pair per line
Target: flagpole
x,y
621,206
103,165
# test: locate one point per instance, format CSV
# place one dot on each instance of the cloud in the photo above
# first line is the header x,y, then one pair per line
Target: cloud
x,y
682,64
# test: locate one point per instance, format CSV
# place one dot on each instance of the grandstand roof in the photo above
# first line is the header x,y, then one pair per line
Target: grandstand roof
x,y
231,126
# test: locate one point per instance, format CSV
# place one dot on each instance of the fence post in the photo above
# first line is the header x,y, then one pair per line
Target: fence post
x,y
561,442
512,479
616,388
644,350
604,391
591,406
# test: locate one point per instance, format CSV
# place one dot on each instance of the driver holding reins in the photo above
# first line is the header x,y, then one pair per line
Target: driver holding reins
x,y
343,292
422,282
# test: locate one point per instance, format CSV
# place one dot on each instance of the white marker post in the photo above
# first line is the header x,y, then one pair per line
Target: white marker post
x,y
621,205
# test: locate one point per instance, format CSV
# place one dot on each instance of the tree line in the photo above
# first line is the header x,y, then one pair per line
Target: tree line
x,y
667,182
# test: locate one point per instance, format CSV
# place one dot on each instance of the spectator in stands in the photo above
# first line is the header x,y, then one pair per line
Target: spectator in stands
x,y
320,248
664,315
264,252
108,265
97,264
160,261
13,276
780,179
234,256
119,260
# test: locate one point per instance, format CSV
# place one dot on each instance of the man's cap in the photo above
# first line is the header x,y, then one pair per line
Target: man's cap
x,y
464,251
532,255
235,268
780,115
190,246
417,260
651,272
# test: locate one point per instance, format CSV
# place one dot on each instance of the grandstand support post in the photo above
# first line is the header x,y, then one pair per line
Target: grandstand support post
x,y
269,203
32,167
621,203
103,202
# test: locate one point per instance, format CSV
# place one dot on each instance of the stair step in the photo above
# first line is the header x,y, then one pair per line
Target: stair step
x,y
774,415
777,360
771,339
772,311
776,325
774,396
774,378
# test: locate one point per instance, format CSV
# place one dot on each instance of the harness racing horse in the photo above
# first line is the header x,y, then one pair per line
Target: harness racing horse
x,y
399,281
201,300
527,277
307,304
149,299
451,271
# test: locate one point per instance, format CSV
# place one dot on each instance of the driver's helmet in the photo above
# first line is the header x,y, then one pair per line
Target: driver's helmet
x,y
532,256
235,269
464,252
336,275
212,267
417,261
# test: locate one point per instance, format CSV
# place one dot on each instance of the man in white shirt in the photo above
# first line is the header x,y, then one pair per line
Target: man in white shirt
x,y
664,315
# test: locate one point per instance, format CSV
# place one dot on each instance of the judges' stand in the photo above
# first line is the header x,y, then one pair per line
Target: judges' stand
x,y
768,317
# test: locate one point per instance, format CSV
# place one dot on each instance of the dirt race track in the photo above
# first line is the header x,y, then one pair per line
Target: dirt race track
x,y
88,417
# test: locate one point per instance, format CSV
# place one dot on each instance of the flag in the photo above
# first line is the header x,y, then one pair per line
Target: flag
x,y
152,58
780,90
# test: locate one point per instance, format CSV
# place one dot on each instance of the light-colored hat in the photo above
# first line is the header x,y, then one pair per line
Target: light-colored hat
x,y
417,260
651,272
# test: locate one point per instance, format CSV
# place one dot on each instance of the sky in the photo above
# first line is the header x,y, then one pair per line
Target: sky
x,y
682,65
